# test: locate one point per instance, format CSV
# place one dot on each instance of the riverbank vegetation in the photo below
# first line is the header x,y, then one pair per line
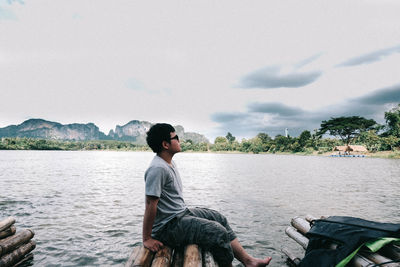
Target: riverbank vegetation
x,y
350,130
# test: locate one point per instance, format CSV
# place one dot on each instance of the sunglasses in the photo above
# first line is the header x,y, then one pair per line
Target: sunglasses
x,y
175,137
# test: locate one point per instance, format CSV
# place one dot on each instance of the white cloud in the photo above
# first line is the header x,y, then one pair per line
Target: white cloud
x,y
73,61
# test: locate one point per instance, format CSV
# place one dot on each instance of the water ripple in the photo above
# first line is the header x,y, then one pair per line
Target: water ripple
x,y
86,208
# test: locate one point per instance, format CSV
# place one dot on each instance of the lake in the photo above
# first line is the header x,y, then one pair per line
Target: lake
x,y
86,207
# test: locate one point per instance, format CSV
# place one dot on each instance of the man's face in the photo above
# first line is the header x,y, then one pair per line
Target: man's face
x,y
175,146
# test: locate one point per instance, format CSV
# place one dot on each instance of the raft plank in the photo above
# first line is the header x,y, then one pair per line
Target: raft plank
x,y
192,256
14,241
15,256
301,225
296,236
378,259
391,251
162,258
9,231
144,258
6,223
293,259
132,257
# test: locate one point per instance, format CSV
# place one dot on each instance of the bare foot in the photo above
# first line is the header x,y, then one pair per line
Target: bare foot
x,y
258,262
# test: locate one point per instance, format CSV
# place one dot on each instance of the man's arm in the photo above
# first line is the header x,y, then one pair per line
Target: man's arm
x,y
148,221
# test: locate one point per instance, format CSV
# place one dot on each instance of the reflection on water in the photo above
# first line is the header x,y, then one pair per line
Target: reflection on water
x,y
86,208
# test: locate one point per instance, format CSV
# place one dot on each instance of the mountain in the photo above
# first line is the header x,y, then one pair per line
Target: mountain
x,y
38,128
133,131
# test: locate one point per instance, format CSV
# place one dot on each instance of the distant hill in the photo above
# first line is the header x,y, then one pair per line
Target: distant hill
x,y
134,131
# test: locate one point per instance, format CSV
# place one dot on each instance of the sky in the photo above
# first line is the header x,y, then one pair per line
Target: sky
x,y
211,66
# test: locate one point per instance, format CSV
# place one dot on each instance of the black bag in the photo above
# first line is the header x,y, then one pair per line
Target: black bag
x,y
348,232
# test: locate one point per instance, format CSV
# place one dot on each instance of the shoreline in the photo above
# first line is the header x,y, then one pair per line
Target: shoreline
x,y
379,154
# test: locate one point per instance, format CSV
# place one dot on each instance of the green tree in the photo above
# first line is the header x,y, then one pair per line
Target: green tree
x,y
392,118
304,137
347,128
230,137
266,141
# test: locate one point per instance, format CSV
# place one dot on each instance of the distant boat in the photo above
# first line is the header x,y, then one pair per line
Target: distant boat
x,y
344,151
349,156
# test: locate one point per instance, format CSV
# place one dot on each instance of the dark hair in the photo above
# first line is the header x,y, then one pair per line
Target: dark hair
x,y
157,134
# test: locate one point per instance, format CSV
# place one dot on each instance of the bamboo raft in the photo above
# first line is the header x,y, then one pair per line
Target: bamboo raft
x,y
190,256
384,257
15,247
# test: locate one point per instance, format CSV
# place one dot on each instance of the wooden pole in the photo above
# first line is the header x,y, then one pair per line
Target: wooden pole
x,y
208,260
163,257
4,224
192,256
144,258
14,241
378,259
391,251
9,231
294,260
11,258
360,261
296,236
27,257
301,225
132,257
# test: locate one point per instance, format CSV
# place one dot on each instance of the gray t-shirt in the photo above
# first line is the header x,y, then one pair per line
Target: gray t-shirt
x,y
163,181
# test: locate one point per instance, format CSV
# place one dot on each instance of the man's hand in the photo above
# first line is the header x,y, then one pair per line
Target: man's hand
x,y
152,244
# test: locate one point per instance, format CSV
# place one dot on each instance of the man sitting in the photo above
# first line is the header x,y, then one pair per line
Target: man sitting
x,y
167,219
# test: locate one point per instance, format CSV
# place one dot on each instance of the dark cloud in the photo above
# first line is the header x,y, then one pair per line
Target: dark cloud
x,y
228,117
388,95
271,77
256,119
370,57
274,108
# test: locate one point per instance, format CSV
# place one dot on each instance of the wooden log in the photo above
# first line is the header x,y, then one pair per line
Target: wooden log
x,y
6,223
360,261
301,225
163,257
178,258
132,257
14,241
15,256
208,260
296,236
391,251
143,258
378,259
192,256
27,257
292,258
7,232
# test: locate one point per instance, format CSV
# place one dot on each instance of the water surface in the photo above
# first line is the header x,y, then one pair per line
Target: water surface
x,y
86,208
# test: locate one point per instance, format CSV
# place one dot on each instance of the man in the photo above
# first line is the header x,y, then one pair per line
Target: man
x,y
167,219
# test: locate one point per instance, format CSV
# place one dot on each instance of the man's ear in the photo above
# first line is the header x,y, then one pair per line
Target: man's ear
x,y
165,145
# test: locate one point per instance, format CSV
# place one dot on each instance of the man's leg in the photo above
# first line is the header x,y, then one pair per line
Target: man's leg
x,y
245,258
238,251
208,234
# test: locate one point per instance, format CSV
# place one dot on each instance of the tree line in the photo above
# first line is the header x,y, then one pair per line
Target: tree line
x,y
349,130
